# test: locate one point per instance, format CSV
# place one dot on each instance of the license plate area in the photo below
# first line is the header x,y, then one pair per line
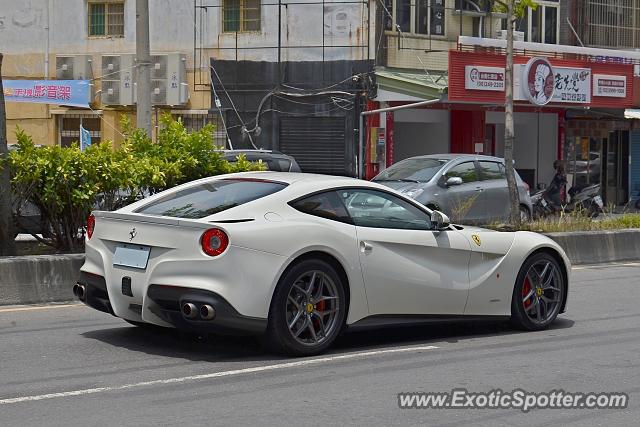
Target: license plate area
x,y
134,256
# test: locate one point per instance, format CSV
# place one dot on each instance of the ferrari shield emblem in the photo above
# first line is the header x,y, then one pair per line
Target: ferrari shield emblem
x,y
476,239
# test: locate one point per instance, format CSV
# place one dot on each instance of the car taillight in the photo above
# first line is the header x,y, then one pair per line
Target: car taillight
x,y
91,224
214,242
526,187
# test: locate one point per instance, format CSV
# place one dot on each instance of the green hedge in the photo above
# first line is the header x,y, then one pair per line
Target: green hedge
x,y
66,184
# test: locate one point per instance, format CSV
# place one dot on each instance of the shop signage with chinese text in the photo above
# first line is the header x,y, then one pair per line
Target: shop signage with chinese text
x,y
483,78
608,85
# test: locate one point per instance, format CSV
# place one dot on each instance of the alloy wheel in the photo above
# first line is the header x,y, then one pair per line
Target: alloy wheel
x,y
312,308
542,292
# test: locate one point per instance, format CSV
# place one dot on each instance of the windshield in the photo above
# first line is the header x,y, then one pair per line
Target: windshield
x,y
419,170
211,197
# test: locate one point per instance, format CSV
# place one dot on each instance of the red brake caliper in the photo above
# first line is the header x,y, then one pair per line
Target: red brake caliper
x,y
526,288
320,308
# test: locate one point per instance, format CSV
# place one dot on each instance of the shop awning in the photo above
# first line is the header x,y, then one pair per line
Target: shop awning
x,y
409,86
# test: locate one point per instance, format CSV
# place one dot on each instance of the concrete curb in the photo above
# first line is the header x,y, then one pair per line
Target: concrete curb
x,y
593,247
49,278
39,278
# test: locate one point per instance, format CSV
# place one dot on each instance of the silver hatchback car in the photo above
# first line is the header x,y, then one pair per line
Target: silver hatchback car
x,y
469,188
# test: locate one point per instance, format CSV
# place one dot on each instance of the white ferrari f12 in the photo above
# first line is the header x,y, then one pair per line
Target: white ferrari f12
x,y
300,257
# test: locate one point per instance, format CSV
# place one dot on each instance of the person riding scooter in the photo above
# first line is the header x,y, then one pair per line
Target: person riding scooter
x,y
555,193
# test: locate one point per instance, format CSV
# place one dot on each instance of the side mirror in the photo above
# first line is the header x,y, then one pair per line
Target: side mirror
x,y
454,180
439,220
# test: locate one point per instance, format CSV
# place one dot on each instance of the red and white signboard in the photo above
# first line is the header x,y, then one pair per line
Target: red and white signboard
x,y
608,85
570,85
483,78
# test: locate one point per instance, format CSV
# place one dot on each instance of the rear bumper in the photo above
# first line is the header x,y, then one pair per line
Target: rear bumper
x,y
96,295
166,302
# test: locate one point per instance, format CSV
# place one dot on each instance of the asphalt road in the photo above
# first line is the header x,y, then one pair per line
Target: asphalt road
x,y
70,365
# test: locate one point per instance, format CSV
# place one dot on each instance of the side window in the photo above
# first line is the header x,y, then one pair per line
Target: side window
x,y
466,171
372,208
491,170
325,205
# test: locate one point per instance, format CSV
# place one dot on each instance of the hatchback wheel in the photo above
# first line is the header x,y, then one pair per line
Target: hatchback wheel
x,y
307,310
538,293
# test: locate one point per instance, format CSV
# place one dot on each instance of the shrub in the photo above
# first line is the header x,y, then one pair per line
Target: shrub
x,y
66,184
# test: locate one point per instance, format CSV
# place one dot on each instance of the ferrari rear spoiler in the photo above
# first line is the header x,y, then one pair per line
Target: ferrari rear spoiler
x,y
151,219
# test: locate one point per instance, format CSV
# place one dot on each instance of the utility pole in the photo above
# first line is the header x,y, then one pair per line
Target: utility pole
x,y
509,134
7,239
143,64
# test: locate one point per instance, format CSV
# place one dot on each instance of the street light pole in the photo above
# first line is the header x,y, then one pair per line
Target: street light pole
x,y
143,64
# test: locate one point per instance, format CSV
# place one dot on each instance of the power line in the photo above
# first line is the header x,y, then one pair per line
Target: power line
x,y
232,105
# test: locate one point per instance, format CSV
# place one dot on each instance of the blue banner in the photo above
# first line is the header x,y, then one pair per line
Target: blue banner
x,y
72,93
85,138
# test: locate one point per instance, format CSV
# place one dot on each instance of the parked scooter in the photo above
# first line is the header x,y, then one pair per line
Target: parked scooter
x,y
586,199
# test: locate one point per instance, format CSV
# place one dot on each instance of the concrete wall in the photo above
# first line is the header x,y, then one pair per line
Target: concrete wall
x,y
38,279
420,131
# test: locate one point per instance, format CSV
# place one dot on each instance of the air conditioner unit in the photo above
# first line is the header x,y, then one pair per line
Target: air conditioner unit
x,y
118,79
74,67
518,36
169,79
159,67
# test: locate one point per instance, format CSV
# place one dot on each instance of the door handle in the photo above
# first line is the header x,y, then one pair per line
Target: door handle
x,y
365,248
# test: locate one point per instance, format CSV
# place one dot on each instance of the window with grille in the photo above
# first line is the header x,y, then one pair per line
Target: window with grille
x,y
195,122
106,19
240,15
611,23
69,128
417,16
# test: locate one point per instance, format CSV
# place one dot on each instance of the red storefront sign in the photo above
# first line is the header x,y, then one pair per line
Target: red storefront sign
x,y
460,60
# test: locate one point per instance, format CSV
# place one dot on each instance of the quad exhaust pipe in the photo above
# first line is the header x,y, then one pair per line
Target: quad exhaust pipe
x,y
205,312
80,291
189,310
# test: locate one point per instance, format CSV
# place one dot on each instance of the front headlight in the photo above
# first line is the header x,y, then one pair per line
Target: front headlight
x,y
413,193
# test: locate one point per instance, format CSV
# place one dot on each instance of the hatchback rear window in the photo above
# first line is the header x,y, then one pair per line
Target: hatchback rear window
x,y
211,197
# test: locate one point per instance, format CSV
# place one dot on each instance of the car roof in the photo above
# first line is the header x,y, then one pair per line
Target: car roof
x,y
456,156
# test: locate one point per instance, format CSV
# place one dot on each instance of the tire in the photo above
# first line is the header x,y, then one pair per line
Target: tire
x,y
538,293
310,301
525,215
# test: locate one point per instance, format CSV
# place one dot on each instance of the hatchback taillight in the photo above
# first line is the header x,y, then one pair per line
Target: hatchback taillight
x,y
91,225
214,242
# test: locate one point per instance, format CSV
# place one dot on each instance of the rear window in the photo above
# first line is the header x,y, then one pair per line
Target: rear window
x,y
212,197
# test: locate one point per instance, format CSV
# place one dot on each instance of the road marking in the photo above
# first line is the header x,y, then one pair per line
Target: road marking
x,y
40,307
612,264
280,366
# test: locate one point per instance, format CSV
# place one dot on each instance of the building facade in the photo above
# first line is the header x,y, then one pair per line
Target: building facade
x,y
213,61
437,49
